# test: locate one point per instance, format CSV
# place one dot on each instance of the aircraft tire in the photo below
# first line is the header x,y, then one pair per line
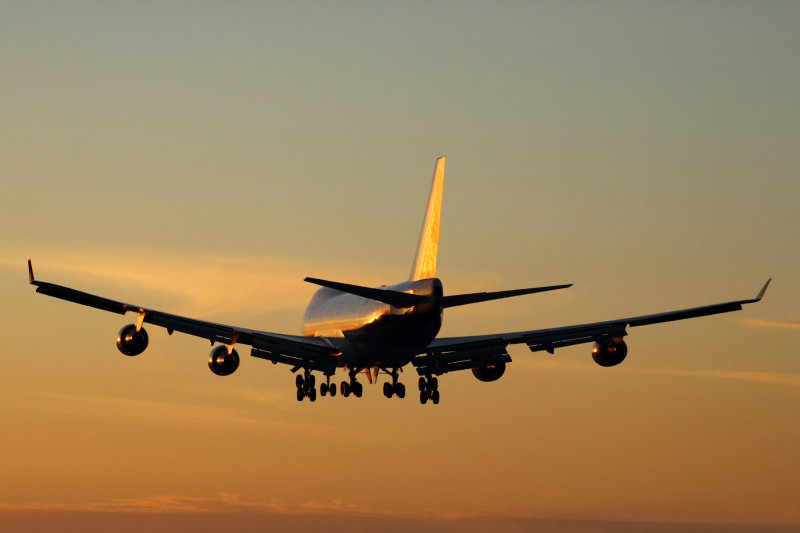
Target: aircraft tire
x,y
299,381
433,383
332,390
312,395
323,389
358,389
435,397
300,395
423,384
423,397
400,390
387,389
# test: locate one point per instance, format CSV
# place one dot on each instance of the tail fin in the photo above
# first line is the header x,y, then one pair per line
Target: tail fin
x,y
425,261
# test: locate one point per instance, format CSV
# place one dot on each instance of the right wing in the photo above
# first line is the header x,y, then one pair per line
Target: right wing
x,y
314,353
448,354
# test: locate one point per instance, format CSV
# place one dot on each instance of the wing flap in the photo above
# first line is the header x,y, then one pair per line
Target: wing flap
x,y
441,362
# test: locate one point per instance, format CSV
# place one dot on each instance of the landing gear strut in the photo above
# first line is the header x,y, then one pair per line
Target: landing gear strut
x,y
395,387
306,386
353,386
428,389
326,387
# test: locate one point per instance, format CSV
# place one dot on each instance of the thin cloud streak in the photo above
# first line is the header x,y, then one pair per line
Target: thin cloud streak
x,y
176,411
222,503
786,324
774,378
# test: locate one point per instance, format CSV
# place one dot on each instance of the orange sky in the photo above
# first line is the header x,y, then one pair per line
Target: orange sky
x,y
204,159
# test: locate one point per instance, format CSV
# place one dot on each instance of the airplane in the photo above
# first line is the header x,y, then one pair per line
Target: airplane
x,y
366,329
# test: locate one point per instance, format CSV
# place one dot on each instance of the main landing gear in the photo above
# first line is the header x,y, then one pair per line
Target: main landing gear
x,y
428,390
305,386
394,388
352,387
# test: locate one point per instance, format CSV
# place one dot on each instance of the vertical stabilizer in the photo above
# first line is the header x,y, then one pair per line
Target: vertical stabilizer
x,y
425,261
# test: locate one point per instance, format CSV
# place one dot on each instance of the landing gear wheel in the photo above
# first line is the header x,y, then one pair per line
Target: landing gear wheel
x,y
434,397
332,390
433,384
358,389
323,389
311,381
387,389
300,395
299,381
423,397
345,389
423,384
400,390
312,395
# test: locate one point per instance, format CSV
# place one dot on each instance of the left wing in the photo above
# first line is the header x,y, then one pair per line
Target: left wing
x,y
314,353
448,354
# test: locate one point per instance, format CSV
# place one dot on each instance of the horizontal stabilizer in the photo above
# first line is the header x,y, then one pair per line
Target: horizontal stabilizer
x,y
475,297
395,298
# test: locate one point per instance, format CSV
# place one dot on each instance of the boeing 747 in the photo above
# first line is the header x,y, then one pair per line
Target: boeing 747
x,y
370,330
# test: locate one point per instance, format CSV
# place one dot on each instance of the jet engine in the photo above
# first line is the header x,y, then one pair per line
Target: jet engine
x,y
132,342
489,372
223,363
609,352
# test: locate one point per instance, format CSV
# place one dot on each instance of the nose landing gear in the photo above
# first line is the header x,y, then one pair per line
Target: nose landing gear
x,y
327,388
394,388
353,386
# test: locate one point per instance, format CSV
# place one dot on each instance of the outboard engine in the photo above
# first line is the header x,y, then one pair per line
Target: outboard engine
x,y
132,342
223,363
609,352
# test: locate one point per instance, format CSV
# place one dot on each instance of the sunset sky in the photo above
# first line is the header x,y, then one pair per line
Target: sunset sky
x,y
202,158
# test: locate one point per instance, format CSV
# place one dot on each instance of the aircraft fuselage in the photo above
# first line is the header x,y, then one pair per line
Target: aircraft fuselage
x,y
375,333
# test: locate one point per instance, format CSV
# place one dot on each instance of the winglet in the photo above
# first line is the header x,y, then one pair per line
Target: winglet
x,y
31,279
763,290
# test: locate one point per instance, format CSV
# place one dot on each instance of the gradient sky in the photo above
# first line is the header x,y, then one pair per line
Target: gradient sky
x,y
203,157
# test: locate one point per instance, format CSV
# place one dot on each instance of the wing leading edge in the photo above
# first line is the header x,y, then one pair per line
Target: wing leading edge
x,y
448,354
307,352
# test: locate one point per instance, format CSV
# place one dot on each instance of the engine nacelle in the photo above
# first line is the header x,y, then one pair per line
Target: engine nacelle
x,y
609,352
132,342
489,372
223,363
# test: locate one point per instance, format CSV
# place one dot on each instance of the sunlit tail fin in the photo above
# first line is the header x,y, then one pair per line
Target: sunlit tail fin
x,y
425,261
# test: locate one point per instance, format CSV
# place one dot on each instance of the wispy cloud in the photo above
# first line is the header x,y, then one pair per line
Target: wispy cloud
x,y
202,285
185,412
205,284
774,378
221,503
788,324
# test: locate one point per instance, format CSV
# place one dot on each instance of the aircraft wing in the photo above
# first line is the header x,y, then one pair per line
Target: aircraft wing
x,y
447,354
299,352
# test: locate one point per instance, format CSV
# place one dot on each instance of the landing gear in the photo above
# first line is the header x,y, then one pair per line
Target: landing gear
x,y
395,387
428,390
327,388
305,386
